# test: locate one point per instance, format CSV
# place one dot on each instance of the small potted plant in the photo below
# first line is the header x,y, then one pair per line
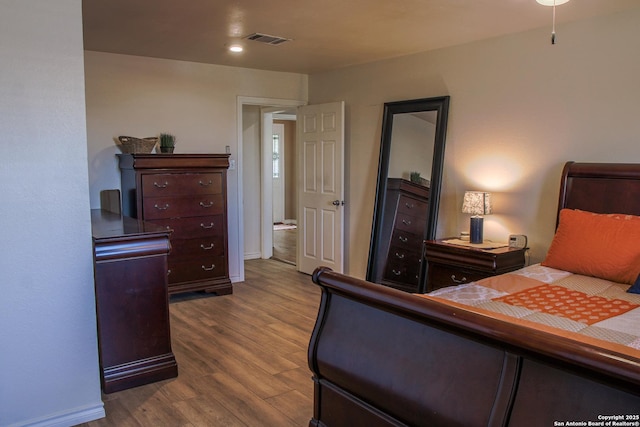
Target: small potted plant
x,y
167,143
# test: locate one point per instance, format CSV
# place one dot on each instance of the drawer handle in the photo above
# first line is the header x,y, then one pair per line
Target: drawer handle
x,y
162,208
209,268
396,272
458,281
205,184
206,226
403,239
206,248
409,205
399,256
206,205
406,222
165,185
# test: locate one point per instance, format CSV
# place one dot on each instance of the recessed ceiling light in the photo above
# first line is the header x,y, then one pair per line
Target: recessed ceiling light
x,y
552,2
236,48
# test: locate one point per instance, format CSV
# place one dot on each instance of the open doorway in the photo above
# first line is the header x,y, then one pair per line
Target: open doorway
x,y
256,147
320,230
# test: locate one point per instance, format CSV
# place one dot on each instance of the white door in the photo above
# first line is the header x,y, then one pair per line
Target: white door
x,y
320,141
278,172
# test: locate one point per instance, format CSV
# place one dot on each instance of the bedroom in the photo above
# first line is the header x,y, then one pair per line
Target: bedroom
x,y
575,100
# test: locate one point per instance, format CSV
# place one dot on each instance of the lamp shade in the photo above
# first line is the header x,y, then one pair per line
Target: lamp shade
x,y
477,203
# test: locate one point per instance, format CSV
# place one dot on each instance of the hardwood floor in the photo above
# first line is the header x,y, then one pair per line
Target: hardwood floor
x,y
284,245
242,358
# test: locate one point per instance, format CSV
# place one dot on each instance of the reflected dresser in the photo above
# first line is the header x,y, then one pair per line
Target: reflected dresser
x,y
187,194
403,228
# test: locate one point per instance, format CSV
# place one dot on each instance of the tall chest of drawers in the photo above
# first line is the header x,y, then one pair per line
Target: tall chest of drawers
x,y
185,193
403,228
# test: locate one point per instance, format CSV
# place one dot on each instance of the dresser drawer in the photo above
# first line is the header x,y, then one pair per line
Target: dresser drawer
x,y
175,184
180,207
196,248
414,207
406,271
410,223
408,255
440,276
187,228
197,269
406,240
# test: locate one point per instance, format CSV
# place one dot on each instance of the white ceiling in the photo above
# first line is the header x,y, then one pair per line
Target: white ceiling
x,y
326,34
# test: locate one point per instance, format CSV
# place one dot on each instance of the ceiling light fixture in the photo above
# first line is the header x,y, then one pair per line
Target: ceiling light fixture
x,y
552,3
236,48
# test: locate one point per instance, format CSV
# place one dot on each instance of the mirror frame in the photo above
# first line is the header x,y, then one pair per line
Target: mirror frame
x,y
441,106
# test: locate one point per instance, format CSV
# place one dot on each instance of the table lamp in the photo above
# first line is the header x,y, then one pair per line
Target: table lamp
x,y
476,203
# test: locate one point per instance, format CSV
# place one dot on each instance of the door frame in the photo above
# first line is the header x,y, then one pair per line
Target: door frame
x,y
267,115
262,102
278,184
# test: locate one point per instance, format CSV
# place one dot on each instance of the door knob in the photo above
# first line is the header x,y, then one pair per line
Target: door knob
x,y
338,203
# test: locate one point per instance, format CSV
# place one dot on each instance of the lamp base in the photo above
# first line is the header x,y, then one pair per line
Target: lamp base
x,y
475,230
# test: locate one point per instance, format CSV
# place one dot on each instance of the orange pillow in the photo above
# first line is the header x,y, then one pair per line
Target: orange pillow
x,y
599,245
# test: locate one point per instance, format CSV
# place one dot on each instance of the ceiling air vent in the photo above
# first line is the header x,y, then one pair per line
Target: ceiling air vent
x,y
265,38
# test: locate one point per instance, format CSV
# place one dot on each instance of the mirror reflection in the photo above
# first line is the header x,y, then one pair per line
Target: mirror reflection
x,y
411,155
408,191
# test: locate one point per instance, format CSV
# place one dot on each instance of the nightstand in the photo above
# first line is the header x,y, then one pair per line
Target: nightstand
x,y
450,264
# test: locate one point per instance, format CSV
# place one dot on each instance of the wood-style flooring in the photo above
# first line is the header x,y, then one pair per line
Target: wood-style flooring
x,y
242,358
284,245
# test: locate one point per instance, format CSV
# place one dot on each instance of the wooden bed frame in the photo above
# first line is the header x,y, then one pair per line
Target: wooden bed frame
x,y
382,357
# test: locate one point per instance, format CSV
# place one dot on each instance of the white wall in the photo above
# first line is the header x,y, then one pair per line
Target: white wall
x,y
48,358
412,147
520,108
136,96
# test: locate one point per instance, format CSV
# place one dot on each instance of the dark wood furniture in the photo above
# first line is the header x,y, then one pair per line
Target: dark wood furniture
x,y
450,265
387,358
185,193
402,233
132,305
428,143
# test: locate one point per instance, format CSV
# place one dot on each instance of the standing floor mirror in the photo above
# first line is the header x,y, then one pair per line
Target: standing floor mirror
x,y
408,191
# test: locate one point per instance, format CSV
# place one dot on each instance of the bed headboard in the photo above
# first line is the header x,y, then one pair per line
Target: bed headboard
x,y
601,187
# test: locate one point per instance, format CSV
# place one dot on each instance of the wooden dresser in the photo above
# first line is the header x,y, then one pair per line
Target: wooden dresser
x,y
185,193
407,206
450,264
132,307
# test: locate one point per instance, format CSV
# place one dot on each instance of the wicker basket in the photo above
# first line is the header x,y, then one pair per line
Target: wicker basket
x,y
131,145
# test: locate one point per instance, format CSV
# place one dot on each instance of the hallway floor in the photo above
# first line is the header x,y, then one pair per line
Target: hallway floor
x,y
284,245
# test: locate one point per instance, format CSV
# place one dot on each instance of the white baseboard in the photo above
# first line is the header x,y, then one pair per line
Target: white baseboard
x,y
71,418
252,255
